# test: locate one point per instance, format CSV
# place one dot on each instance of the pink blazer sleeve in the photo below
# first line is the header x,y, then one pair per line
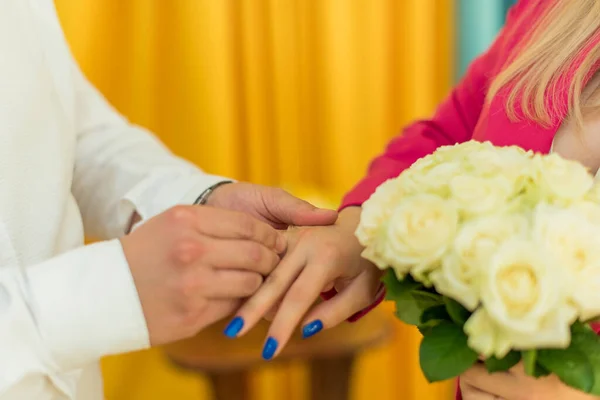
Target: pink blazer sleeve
x,y
453,122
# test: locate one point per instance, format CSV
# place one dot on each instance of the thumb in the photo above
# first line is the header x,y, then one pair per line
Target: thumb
x,y
289,210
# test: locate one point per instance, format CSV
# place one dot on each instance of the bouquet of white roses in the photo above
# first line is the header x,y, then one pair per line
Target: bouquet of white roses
x,y
493,252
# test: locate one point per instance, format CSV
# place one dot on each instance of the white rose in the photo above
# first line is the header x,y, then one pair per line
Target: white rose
x,y
593,194
423,164
484,335
590,211
436,179
573,240
377,210
420,231
563,179
477,195
488,338
523,292
462,150
511,161
471,252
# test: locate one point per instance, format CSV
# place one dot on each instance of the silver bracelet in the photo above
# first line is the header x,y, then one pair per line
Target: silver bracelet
x,y
203,198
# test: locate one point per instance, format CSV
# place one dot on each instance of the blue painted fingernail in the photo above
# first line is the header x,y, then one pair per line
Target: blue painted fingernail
x,y
312,329
270,348
234,327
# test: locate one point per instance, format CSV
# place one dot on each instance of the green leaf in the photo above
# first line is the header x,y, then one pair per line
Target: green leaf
x,y
432,317
410,307
444,353
397,288
410,296
425,329
588,342
494,364
435,313
571,365
529,360
457,312
540,371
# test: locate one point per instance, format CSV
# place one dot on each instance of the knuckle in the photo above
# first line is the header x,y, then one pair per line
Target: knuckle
x,y
186,250
187,288
190,305
247,227
251,283
255,253
273,261
180,215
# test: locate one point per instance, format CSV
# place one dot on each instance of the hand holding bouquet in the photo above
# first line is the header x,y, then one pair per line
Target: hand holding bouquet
x,y
493,252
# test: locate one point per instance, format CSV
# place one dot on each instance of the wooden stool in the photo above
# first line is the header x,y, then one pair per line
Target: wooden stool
x,y
329,354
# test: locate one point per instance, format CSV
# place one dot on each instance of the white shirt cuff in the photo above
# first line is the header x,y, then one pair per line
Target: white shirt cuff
x,y
159,193
86,305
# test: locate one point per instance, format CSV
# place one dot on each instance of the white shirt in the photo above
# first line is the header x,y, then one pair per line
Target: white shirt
x,y
68,164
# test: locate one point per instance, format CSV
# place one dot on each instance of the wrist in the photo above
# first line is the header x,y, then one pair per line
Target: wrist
x,y
210,197
349,218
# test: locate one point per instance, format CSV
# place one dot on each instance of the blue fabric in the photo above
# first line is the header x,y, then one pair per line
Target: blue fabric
x,y
478,22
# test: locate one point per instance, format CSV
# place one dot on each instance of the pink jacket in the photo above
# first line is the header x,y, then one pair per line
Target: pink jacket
x,y
465,115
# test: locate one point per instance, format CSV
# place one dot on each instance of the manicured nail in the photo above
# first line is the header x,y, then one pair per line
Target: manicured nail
x,y
234,327
312,329
269,349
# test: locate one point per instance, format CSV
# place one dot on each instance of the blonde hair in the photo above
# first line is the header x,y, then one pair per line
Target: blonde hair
x,y
559,51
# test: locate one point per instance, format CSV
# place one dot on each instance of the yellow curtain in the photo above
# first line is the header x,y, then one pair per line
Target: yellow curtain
x,y
295,93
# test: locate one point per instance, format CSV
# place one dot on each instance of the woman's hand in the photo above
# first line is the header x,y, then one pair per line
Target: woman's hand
x,y
478,384
317,259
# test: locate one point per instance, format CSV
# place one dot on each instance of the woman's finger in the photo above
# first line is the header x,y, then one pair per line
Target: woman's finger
x,y
359,294
469,392
270,315
267,296
501,384
297,301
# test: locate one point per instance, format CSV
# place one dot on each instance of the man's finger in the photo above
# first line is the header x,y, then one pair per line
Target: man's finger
x,y
240,255
284,208
231,284
225,224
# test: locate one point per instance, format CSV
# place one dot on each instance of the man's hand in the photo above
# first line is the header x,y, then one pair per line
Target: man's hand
x,y
272,205
191,266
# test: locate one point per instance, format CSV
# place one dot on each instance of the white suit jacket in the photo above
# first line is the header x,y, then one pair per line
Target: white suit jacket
x,y
69,164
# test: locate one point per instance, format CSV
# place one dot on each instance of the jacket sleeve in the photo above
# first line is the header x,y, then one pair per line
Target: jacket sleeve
x,y
453,122
65,313
121,168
